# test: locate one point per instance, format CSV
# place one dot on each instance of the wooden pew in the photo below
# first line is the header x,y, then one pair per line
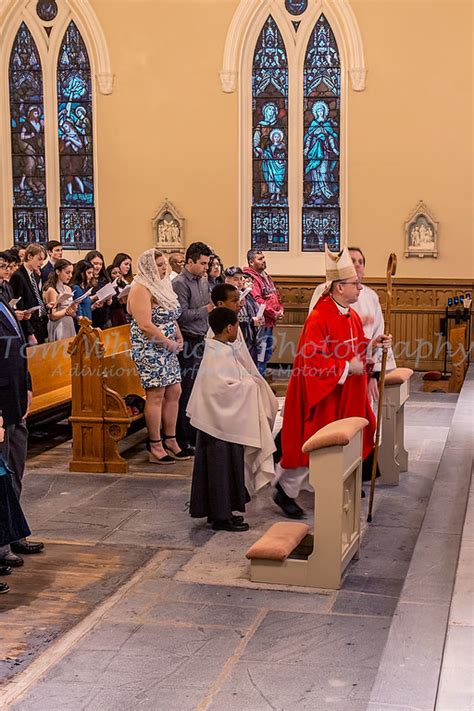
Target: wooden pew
x,y
287,554
102,374
50,369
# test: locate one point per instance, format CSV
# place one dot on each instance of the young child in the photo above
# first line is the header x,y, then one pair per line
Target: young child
x,y
233,414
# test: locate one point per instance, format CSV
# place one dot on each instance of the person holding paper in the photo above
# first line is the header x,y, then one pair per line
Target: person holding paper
x,y
58,299
81,284
25,285
100,307
250,315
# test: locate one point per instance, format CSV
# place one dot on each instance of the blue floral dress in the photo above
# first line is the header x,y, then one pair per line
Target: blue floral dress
x,y
156,366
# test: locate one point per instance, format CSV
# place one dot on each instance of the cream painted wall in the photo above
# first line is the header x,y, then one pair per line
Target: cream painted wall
x,y
168,130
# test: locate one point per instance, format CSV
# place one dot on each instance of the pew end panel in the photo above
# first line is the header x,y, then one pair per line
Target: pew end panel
x,y
319,561
86,352
103,375
393,457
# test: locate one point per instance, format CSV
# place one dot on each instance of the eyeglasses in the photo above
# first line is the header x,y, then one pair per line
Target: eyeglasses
x,y
351,283
4,265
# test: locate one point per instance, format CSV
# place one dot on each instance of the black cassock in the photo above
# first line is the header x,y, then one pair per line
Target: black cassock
x,y
218,486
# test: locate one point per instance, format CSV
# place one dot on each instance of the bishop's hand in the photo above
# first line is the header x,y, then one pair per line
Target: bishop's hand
x,y
382,341
356,366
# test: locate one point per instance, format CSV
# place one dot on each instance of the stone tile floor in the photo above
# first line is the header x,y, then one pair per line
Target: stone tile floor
x,y
167,644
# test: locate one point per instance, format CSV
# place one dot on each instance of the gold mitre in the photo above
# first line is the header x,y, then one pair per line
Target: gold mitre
x,y
339,265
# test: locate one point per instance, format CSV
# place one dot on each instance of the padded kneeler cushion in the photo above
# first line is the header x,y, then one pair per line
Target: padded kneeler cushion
x,y
278,542
338,433
398,376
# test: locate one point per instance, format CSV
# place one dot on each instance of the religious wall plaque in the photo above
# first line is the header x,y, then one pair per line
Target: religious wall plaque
x,y
421,233
168,228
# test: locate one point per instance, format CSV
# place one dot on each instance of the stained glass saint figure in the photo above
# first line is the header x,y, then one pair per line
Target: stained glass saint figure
x,y
321,143
270,222
74,84
30,222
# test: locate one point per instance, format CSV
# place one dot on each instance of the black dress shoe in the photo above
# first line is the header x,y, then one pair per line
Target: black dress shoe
x,y
288,505
11,562
4,588
234,519
229,526
188,451
5,570
27,548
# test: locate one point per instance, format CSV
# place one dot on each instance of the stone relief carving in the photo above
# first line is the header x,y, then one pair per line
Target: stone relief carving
x,y
421,233
168,228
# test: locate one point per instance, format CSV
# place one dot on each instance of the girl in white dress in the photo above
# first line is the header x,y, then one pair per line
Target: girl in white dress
x,y
58,297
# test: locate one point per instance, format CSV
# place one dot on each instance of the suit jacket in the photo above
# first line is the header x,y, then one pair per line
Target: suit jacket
x,y
14,378
46,271
22,288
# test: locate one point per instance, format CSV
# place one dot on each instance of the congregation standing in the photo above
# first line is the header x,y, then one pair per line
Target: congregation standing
x,y
201,339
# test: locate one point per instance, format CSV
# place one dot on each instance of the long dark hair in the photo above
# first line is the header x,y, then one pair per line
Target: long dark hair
x,y
92,255
78,277
212,259
118,259
53,278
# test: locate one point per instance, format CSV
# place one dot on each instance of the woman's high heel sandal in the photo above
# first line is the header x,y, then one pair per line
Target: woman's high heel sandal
x,y
158,460
180,456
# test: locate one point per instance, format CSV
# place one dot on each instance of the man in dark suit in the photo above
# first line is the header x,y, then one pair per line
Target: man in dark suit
x,y
26,284
55,252
15,396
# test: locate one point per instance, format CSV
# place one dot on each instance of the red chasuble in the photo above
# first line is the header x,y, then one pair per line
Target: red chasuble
x,y
314,398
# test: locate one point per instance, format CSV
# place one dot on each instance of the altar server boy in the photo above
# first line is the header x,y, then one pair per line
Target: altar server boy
x,y
233,410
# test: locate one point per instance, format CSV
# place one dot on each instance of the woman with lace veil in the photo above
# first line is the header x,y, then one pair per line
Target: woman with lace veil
x,y
155,341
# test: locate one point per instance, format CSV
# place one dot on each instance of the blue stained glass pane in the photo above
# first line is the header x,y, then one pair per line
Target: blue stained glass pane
x,y
76,167
321,186
296,7
270,225
30,220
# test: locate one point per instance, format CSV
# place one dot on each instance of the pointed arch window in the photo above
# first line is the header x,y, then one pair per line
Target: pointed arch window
x,y
76,166
30,217
270,215
321,222
55,55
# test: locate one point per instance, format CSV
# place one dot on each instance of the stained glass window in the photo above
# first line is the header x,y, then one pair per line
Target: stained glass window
x,y
270,219
30,218
296,7
74,83
322,92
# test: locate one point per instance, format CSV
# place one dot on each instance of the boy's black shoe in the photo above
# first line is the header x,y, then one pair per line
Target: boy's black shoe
x,y
4,588
234,519
230,525
5,570
289,506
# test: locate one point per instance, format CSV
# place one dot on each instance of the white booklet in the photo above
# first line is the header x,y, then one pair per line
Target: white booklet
x,y
245,292
32,310
63,300
13,302
105,293
125,290
261,310
84,296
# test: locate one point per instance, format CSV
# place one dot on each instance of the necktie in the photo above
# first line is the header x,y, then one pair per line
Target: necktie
x,y
38,298
11,319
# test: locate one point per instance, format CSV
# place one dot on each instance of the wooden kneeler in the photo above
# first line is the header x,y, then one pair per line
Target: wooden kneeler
x,y
287,554
393,457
